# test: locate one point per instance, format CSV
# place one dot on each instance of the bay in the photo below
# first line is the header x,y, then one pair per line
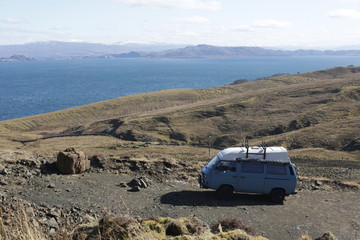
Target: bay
x,y
35,87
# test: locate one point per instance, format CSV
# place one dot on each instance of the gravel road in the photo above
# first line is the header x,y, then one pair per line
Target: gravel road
x,y
312,211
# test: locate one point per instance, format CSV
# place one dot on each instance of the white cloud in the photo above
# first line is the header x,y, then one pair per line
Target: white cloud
x,y
13,20
260,25
243,28
270,23
344,13
181,4
193,19
58,28
350,1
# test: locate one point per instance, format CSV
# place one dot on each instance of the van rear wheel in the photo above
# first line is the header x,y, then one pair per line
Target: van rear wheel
x,y
277,195
226,192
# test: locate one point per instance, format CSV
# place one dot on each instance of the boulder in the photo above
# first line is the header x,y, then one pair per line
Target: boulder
x,y
72,161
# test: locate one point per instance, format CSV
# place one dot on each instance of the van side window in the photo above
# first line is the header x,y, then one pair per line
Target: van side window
x,y
226,166
252,168
276,169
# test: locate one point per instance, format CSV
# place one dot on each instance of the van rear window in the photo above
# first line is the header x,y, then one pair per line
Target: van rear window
x,y
276,169
252,168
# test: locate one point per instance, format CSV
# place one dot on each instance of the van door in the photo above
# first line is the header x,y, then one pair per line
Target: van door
x,y
225,173
251,177
280,176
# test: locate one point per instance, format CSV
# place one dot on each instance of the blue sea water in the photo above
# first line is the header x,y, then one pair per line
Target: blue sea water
x,y
29,88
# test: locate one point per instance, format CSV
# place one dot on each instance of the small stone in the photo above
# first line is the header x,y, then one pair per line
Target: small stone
x,y
55,213
43,204
3,182
167,170
318,183
52,223
52,231
5,172
143,184
135,189
51,185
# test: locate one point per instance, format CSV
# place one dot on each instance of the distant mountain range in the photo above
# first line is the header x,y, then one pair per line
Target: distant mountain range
x,y
54,50
207,51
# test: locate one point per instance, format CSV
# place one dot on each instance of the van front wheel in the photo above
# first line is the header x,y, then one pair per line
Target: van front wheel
x,y
277,195
226,192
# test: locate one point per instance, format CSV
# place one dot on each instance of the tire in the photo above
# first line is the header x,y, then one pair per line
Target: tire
x,y
277,195
226,192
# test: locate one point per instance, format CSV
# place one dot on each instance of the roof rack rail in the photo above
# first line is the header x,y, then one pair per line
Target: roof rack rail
x,y
246,145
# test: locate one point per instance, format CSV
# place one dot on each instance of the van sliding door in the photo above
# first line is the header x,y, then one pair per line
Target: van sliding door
x,y
251,178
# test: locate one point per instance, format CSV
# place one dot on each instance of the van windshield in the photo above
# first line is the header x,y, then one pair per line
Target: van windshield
x,y
212,163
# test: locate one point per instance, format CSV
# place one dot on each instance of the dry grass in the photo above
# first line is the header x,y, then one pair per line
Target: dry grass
x,y
272,102
229,224
16,224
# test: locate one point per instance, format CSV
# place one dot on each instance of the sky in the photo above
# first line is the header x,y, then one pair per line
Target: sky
x,y
288,24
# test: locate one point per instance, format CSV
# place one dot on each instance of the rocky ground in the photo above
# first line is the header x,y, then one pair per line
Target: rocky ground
x,y
169,189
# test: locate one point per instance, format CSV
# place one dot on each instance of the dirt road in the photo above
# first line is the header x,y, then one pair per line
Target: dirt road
x,y
311,211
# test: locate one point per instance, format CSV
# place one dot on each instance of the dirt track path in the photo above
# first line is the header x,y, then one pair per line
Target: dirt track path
x,y
315,212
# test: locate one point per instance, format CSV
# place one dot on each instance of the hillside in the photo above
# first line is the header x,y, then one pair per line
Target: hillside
x,y
319,109
163,137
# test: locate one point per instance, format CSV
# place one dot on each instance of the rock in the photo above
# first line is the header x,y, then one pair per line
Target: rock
x,y
30,211
327,236
56,213
3,182
140,182
97,161
134,182
143,184
52,231
5,171
51,222
72,161
51,185
135,189
43,204
318,183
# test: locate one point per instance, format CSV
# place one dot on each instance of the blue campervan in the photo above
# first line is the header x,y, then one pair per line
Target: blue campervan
x,y
259,170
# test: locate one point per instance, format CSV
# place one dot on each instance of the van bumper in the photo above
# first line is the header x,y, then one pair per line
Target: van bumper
x,y
201,180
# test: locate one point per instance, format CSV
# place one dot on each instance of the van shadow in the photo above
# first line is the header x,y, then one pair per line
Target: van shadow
x,y
209,198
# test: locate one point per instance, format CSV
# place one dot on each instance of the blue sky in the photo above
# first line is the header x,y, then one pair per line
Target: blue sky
x,y
272,23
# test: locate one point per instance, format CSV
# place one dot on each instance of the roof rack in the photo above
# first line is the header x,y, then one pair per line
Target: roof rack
x,y
246,145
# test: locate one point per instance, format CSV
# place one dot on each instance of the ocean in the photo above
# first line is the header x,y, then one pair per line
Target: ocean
x,y
35,87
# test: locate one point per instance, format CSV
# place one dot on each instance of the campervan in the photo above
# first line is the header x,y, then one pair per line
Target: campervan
x,y
259,170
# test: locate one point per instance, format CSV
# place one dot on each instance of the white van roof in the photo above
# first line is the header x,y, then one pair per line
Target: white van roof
x,y
272,154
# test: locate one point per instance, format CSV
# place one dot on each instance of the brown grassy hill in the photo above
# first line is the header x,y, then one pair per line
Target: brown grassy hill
x,y
319,109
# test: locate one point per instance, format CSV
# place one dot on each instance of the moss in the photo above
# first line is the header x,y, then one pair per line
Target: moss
x,y
238,235
153,225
